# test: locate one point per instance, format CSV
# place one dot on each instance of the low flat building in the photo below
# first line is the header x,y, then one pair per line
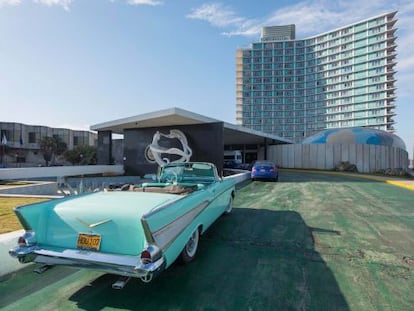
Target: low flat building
x,y
21,142
153,139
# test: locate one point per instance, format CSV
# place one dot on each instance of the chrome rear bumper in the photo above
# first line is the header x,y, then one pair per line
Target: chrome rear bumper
x,y
124,265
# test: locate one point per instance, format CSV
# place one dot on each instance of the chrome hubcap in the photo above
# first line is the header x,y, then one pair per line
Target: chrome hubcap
x,y
191,246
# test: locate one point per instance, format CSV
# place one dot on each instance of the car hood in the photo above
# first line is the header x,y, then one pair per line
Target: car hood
x,y
115,216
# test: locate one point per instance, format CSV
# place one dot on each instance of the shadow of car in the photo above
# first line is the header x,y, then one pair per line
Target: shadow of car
x,y
253,260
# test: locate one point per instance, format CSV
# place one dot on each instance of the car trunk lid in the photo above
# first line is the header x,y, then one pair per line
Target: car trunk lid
x,y
111,221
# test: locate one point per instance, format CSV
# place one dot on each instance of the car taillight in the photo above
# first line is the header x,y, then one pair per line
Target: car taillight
x,y
254,169
146,257
21,241
150,254
27,239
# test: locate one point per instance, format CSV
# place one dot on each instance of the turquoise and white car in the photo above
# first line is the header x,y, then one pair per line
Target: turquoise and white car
x,y
137,231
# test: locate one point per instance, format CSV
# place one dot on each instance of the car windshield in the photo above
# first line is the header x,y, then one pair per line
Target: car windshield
x,y
264,163
188,172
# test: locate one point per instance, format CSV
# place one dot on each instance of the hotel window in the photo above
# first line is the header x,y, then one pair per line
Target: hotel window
x,y
347,68
374,63
76,140
32,137
5,133
347,84
375,95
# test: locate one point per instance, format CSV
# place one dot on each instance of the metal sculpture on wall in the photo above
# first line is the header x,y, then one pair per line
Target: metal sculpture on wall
x,y
154,153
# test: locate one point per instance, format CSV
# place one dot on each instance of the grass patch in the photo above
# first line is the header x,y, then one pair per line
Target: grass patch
x,y
8,220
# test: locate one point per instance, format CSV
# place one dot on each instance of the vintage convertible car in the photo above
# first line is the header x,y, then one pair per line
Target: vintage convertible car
x,y
134,231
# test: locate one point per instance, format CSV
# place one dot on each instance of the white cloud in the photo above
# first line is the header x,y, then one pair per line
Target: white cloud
x,y
144,2
9,2
217,15
63,3
311,17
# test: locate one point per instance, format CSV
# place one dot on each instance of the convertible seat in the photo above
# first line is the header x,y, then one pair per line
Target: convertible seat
x,y
173,189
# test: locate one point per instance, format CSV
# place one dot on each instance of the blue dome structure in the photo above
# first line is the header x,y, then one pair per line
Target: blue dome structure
x,y
356,135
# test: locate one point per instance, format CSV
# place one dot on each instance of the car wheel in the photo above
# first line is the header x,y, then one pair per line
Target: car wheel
x,y
189,252
229,206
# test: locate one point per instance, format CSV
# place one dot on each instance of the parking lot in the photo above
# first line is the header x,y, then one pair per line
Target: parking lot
x,y
308,242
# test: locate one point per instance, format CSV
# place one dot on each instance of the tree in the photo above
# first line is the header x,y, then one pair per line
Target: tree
x,y
81,155
52,147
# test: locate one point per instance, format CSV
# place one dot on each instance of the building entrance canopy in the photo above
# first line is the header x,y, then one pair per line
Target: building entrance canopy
x,y
232,134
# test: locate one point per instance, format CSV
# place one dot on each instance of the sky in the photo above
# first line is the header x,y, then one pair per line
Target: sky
x,y
76,63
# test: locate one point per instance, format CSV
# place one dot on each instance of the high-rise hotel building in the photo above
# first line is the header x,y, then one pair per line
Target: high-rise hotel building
x,y
297,87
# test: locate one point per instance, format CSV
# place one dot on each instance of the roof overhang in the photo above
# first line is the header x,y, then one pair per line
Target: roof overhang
x,y
236,134
233,134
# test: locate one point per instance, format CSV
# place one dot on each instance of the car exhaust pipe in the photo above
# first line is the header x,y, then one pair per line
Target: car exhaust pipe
x,y
121,282
42,269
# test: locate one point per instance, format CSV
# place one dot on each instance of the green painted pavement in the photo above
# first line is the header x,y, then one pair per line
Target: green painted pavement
x,y
308,242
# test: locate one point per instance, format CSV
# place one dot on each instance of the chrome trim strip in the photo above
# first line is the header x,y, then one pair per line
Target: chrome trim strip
x,y
93,224
162,207
116,264
166,235
147,231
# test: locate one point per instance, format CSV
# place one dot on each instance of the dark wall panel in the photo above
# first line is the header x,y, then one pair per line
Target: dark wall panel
x,y
205,141
104,152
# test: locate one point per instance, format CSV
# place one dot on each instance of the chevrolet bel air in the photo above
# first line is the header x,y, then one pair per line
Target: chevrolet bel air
x,y
135,231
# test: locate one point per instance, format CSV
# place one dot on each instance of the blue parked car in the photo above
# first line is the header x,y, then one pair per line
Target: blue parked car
x,y
264,169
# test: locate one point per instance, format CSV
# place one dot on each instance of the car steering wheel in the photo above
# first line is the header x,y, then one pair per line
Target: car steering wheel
x,y
171,178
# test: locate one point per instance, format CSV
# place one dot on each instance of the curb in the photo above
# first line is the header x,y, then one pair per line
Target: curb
x,y
8,263
404,183
400,184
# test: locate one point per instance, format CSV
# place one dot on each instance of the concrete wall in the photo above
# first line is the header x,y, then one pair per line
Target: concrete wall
x,y
59,171
367,158
8,241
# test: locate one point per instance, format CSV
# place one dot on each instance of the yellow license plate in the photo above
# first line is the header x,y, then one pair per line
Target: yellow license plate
x,y
89,241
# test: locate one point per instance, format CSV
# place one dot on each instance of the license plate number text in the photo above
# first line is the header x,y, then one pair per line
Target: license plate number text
x,y
89,241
